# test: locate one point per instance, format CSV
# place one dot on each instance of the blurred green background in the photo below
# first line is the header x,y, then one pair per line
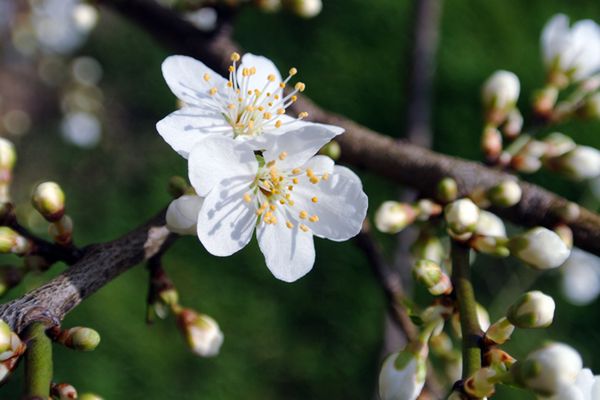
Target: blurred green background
x,y
319,338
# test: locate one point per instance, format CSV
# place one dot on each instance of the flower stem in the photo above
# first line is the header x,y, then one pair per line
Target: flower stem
x,y
38,362
471,332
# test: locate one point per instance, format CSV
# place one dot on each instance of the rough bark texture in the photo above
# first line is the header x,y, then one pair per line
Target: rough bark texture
x,y
100,264
361,147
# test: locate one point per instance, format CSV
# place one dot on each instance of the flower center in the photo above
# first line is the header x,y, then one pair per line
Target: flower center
x,y
252,111
274,188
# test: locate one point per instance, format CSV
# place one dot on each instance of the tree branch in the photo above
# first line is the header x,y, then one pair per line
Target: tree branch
x,y
99,264
401,162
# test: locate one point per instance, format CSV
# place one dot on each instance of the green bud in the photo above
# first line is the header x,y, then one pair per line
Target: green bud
x,y
12,242
331,150
49,199
505,194
90,396
432,277
5,336
77,338
447,190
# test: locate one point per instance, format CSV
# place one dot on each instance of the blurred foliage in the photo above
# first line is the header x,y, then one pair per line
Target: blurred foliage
x,y
320,337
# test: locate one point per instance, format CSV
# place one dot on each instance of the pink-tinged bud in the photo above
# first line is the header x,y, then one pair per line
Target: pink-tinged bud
x,y
545,100
63,391
49,199
525,164
62,230
514,124
427,209
491,143
498,359
532,310
201,332
392,216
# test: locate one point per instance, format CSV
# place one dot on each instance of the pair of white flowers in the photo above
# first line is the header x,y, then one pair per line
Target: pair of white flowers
x,y
254,168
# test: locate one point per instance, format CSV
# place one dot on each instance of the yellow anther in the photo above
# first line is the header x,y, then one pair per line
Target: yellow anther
x,y
303,214
268,94
249,92
247,198
281,201
300,86
272,207
303,228
295,180
296,171
282,85
289,224
271,163
283,155
293,71
314,218
250,108
294,98
290,187
245,72
271,78
325,176
252,70
280,111
314,199
240,99
270,104
314,180
229,84
257,92
302,115
288,196
251,124
213,91
310,172
235,57
291,202
278,124
276,97
259,211
280,179
231,106
267,115
206,77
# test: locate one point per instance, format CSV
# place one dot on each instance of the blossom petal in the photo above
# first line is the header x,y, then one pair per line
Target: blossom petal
x,y
289,253
553,37
264,68
585,36
184,128
185,77
218,159
299,144
341,204
226,221
182,214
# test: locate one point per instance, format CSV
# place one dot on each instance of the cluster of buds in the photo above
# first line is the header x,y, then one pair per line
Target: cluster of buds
x,y
393,216
76,338
11,349
49,200
201,333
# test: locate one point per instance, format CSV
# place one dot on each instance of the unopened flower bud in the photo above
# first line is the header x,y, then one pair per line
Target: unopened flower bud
x,y
5,336
63,391
500,94
548,369
557,144
201,332
430,275
392,216
505,194
402,375
428,247
49,199
12,242
540,248
544,100
178,186
331,150
532,310
565,234
498,359
62,230
499,332
569,212
514,124
482,383
90,396
10,357
583,162
441,345
525,164
182,214
489,224
495,246
461,216
447,190
8,156
77,338
306,8
491,143
427,209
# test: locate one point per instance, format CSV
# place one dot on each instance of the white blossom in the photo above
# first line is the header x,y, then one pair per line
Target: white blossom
x,y
586,387
540,247
501,91
250,103
285,194
581,277
582,162
573,51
